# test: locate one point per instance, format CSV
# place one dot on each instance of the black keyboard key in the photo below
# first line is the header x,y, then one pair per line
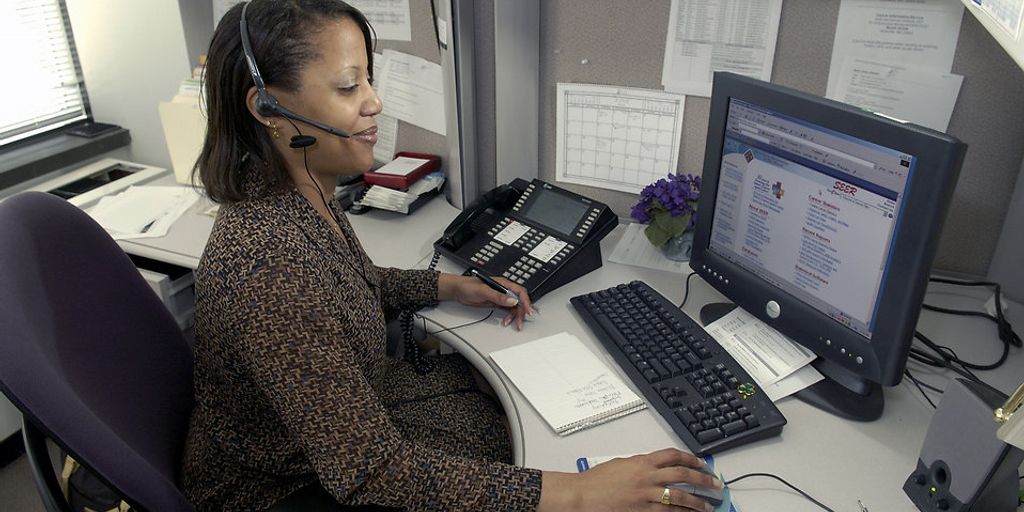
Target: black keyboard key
x,y
673,370
734,427
685,416
612,331
710,435
751,421
659,368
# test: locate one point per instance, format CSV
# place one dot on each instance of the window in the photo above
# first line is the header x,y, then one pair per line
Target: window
x,y
43,89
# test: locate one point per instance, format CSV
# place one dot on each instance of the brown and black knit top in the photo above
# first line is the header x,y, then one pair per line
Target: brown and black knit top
x,y
293,385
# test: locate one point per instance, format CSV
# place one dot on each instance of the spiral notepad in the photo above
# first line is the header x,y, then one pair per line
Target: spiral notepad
x,y
566,383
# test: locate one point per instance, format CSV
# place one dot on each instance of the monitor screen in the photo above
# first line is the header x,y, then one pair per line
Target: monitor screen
x,y
822,220
809,210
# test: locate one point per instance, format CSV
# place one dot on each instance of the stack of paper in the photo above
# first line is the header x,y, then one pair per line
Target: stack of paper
x,y
143,212
384,198
780,366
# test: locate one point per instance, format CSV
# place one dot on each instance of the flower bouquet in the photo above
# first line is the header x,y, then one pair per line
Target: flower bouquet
x,y
669,208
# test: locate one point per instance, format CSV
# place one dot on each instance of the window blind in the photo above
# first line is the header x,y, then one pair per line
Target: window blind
x,y
42,88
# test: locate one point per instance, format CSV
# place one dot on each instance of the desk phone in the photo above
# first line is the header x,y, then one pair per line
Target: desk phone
x,y
532,233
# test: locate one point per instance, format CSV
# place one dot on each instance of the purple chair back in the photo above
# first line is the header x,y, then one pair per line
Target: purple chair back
x,y
88,352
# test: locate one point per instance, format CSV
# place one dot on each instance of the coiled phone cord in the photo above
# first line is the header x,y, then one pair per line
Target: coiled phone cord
x,y
420,362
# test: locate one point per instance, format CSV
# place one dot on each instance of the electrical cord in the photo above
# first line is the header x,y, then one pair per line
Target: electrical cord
x,y
450,329
686,289
1005,329
437,30
942,360
791,486
919,388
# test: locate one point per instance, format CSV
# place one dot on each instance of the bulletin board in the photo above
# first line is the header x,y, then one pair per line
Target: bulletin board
x,y
622,43
424,45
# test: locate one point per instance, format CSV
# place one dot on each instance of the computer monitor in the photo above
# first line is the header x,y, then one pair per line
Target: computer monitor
x,y
822,219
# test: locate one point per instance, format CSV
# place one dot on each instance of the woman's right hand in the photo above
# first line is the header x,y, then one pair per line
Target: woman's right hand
x,y
632,484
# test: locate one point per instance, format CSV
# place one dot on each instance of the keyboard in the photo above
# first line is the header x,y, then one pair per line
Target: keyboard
x,y
707,398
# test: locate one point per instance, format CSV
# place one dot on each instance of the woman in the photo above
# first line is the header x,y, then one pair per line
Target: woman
x,y
294,391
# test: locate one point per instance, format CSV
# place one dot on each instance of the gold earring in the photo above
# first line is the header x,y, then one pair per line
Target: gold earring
x,y
275,134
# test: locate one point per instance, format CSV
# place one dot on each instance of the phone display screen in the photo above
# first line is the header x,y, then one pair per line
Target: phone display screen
x,y
555,211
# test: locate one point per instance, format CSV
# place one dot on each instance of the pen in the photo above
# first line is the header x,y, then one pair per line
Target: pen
x,y
494,284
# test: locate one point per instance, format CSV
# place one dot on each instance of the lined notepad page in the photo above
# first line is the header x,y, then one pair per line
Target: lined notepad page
x,y
566,383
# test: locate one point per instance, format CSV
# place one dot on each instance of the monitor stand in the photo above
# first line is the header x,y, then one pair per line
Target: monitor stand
x,y
841,392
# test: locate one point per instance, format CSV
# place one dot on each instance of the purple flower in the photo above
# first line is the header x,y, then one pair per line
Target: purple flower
x,y
674,195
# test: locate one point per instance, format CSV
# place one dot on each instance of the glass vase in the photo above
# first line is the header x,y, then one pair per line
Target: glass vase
x,y
679,247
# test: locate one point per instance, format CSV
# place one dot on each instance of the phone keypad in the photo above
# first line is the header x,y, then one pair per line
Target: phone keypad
x,y
527,266
485,253
523,269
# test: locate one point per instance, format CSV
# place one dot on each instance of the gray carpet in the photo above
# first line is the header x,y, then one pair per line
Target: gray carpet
x,y
18,489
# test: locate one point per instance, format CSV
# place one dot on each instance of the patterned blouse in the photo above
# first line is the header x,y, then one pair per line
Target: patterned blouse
x,y
293,386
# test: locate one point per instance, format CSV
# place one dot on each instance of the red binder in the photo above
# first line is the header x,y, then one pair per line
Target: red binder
x,y
403,181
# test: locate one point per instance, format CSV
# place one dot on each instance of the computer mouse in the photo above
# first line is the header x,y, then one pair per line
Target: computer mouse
x,y
713,496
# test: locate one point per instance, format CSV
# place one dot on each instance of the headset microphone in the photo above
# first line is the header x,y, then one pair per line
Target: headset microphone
x,y
267,105
301,141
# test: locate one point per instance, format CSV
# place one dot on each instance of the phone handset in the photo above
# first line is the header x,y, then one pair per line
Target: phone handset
x,y
461,231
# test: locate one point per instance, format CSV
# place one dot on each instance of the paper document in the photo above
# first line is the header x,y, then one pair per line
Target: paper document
x,y
922,33
402,166
184,124
705,36
432,181
143,212
619,138
634,249
390,18
1007,14
768,356
568,385
387,137
917,95
412,90
387,126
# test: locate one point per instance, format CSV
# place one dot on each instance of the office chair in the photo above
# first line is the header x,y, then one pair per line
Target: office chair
x,y
94,360
90,355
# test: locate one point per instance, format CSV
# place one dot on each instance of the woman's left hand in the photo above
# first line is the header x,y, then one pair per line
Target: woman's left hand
x,y
473,292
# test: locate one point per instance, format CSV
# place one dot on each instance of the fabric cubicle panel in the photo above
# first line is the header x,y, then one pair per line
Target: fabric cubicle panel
x,y
622,43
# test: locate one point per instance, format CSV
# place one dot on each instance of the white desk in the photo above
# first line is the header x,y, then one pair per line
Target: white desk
x,y
397,240
835,460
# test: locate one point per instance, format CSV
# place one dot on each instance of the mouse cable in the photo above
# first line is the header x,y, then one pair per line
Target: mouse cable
x,y
919,387
686,289
791,486
449,329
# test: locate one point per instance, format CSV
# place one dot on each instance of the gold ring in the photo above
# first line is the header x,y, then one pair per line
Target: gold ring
x,y
666,497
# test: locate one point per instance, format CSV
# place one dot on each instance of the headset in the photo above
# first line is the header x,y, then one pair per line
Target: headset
x,y
267,105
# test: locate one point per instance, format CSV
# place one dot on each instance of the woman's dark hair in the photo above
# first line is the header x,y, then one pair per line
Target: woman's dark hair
x,y
237,151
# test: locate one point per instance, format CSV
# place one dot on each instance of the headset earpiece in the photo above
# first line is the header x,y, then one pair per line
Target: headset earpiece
x,y
266,105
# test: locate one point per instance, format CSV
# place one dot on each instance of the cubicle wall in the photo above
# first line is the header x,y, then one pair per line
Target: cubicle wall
x,y
622,43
